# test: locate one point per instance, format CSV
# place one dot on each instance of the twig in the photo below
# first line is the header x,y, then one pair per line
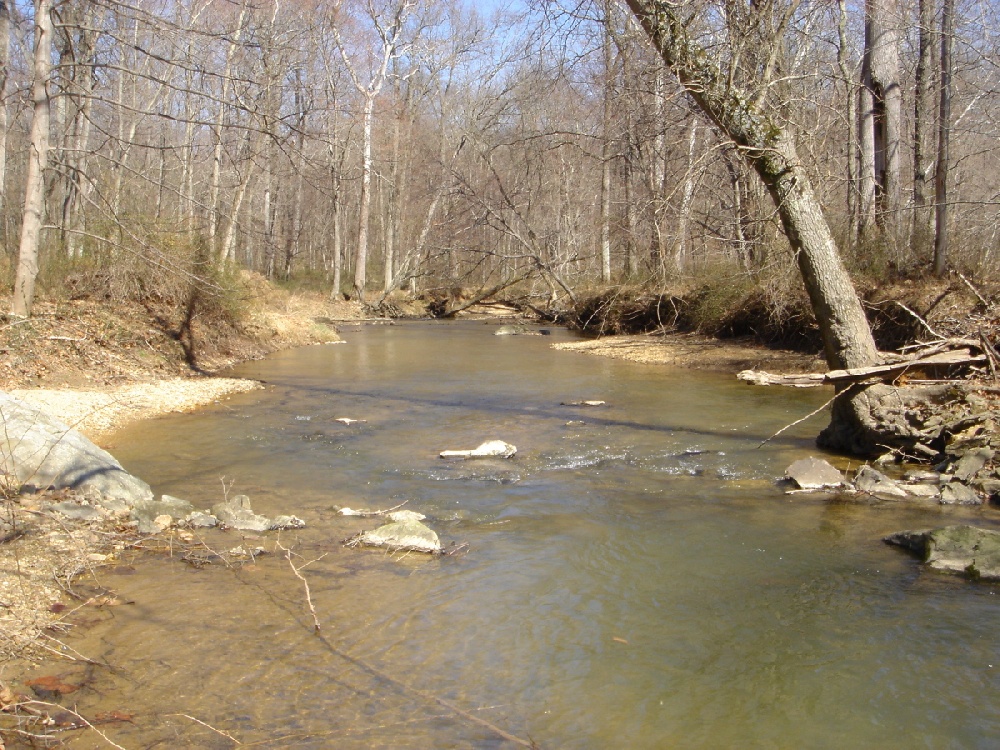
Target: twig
x,y
799,421
369,513
288,556
920,320
389,678
975,291
209,726
77,716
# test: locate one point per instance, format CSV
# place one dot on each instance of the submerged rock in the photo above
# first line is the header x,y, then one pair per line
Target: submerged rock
x,y
489,449
405,515
283,523
147,512
236,513
814,474
407,535
968,550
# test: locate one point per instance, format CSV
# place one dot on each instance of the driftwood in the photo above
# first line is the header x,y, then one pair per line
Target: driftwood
x,y
885,372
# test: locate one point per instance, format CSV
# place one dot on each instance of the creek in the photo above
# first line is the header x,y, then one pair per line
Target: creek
x,y
634,577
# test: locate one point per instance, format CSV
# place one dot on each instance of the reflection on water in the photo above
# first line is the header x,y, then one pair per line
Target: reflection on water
x,y
634,578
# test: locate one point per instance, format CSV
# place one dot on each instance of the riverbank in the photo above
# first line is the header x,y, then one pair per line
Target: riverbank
x,y
696,351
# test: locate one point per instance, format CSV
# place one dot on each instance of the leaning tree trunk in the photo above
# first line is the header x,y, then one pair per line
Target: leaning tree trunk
x,y
857,423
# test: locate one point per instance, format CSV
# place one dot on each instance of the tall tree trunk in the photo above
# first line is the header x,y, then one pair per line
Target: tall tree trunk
x,y
687,197
867,184
365,200
885,119
4,71
923,120
31,221
606,148
851,102
217,131
944,138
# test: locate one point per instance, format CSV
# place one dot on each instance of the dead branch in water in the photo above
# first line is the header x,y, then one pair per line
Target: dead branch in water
x,y
402,686
883,372
305,583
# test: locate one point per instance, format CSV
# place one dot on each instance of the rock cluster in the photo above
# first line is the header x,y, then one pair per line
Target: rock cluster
x,y
948,484
38,452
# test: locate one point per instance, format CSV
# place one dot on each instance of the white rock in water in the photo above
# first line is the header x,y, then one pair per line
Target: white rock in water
x,y
402,535
405,515
348,420
489,449
814,474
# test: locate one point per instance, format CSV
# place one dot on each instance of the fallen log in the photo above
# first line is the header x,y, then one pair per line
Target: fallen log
x,y
885,372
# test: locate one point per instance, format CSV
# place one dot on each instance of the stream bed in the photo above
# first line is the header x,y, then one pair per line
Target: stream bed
x,y
634,577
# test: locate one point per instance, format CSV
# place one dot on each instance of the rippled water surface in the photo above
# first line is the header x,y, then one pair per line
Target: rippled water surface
x,y
634,578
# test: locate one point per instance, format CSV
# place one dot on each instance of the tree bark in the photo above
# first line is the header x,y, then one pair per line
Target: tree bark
x,y
944,138
4,71
34,198
889,99
923,119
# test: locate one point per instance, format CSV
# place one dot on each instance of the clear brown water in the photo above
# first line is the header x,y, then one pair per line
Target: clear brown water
x,y
635,581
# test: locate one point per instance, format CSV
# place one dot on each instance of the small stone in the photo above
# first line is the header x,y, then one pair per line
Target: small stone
x,y
282,523
405,515
489,449
814,474
199,520
77,512
875,482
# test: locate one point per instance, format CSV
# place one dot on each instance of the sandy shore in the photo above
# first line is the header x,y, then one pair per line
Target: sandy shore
x,y
696,351
95,413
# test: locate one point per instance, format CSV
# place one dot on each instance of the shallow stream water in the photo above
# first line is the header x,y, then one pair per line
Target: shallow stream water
x,y
634,577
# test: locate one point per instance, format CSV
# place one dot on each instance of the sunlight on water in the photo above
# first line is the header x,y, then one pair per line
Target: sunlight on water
x,y
634,578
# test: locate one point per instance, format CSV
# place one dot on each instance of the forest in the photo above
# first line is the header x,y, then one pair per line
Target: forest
x,y
374,147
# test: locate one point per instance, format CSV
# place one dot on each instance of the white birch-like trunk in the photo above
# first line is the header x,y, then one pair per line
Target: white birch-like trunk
x,y
31,222
4,69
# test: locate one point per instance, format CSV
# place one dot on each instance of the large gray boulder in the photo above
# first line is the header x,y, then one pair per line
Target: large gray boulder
x,y
38,452
968,550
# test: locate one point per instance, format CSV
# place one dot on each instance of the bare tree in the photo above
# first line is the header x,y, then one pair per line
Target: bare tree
x,y
944,140
923,119
389,25
4,74
34,198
